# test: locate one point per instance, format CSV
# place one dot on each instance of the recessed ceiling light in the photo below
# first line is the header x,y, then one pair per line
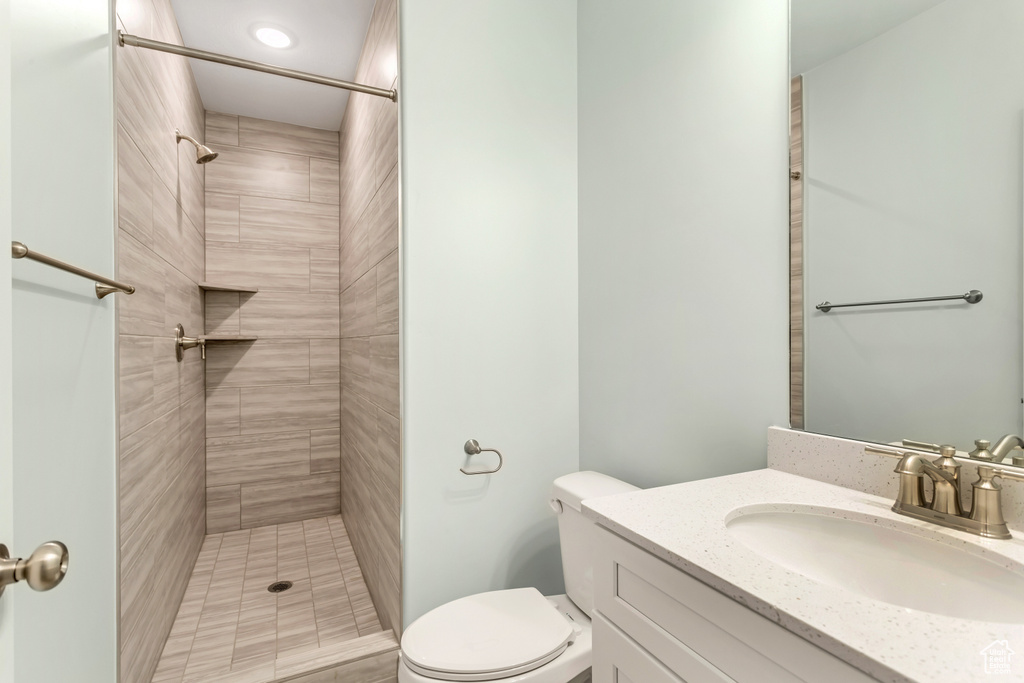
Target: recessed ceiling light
x,y
273,37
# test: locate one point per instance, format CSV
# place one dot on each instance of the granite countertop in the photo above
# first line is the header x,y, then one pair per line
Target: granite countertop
x,y
685,525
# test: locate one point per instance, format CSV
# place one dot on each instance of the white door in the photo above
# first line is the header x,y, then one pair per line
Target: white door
x,y
58,428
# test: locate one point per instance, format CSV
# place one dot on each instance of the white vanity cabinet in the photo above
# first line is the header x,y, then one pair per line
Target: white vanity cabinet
x,y
656,624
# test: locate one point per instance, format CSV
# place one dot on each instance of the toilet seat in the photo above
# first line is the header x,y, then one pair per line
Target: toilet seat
x,y
487,636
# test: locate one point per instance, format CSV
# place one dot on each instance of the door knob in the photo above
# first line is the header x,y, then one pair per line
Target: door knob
x,y
42,570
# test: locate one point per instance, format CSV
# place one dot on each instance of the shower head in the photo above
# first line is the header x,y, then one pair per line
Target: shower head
x,y
203,153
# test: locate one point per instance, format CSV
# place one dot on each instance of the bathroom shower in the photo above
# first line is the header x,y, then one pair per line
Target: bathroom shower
x,y
204,154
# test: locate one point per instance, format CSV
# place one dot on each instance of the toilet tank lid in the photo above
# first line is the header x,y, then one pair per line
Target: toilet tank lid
x,y
573,488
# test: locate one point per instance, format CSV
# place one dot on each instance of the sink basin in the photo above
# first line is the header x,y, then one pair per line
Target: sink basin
x,y
885,560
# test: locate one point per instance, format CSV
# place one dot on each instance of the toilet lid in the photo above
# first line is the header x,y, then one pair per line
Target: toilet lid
x,y
484,636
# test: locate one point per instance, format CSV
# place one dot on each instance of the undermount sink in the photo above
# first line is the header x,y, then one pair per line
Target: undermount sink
x,y
892,562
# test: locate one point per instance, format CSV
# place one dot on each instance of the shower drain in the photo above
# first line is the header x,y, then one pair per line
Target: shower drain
x,y
279,586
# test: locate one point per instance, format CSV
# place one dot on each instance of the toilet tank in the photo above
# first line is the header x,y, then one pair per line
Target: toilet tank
x,y
576,532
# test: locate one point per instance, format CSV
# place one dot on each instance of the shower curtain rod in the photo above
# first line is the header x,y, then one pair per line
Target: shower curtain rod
x,y
135,41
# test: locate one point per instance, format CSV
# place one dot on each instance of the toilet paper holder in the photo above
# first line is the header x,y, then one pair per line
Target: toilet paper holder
x,y
472,447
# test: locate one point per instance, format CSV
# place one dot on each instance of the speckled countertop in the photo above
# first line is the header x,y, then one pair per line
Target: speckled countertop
x,y
685,525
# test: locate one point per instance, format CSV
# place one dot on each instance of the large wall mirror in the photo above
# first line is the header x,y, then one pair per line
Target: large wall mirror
x,y
907,183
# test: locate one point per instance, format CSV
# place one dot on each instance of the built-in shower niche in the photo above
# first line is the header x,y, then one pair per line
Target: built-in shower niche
x,y
274,246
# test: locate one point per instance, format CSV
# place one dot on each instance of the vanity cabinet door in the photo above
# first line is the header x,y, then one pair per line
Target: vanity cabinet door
x,y
620,660
690,627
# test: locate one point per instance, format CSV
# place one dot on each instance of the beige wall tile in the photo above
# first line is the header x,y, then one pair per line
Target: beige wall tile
x,y
324,270
387,295
221,129
324,361
388,463
143,116
192,415
149,460
294,223
290,500
357,176
191,372
383,230
290,408
291,314
359,307
325,180
183,303
275,269
360,419
142,313
176,239
369,305
355,362
355,249
259,173
134,189
161,403
262,363
222,312
385,141
259,458
325,450
223,509
384,371
223,412
221,217
384,67
154,588
148,382
191,194
288,138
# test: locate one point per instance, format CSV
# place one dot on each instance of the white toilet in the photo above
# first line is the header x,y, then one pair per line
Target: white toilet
x,y
518,635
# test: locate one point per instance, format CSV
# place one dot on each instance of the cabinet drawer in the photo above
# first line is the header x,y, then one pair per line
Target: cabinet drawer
x,y
676,618
620,660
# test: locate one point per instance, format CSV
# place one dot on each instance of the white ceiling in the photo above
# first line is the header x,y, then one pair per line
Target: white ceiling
x,y
328,37
824,29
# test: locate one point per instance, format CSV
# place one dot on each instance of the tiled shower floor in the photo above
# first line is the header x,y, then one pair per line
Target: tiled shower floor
x,y
231,628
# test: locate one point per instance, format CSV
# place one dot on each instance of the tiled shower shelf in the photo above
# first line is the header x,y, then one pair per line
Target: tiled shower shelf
x,y
226,338
215,287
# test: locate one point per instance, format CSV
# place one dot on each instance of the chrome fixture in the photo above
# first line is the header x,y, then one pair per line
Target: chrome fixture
x,y
981,450
44,569
971,297
986,515
104,285
135,41
181,343
1004,446
472,447
204,154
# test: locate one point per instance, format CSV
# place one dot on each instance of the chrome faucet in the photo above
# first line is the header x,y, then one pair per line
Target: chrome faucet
x,y
944,508
1005,445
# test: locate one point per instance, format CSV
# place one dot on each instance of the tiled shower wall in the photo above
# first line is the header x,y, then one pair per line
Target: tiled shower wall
x,y
161,401
370,455
272,419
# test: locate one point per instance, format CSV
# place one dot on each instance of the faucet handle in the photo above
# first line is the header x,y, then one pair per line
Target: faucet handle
x,y
987,508
921,445
982,451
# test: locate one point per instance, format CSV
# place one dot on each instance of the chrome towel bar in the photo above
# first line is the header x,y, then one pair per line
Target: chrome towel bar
x,y
472,447
971,297
104,285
